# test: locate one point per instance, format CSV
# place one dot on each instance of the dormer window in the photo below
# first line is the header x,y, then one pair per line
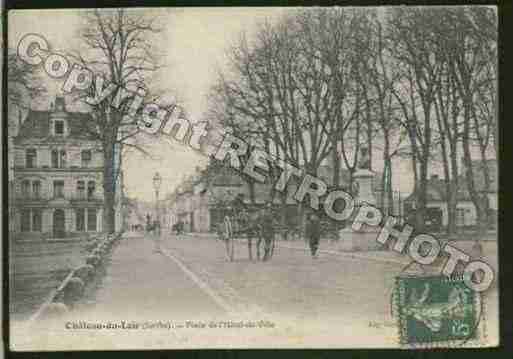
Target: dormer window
x,y
59,128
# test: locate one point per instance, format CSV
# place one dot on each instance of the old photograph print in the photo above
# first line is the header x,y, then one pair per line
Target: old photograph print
x,y
257,177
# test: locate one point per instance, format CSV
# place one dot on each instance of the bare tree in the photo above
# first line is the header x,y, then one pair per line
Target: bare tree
x,y
411,30
117,44
291,90
23,85
472,61
378,77
22,81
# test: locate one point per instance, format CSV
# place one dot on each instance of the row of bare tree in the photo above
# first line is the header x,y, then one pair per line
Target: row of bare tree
x,y
419,83
414,83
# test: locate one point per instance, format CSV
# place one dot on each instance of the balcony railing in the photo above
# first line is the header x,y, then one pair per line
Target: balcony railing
x,y
73,198
51,168
85,198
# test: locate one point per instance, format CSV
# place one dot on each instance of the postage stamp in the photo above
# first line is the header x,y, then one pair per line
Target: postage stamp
x,y
434,309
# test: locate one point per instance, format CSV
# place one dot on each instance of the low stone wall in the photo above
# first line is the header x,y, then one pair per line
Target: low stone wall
x,y
80,279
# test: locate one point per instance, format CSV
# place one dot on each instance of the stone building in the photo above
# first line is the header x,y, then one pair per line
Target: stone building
x,y
437,215
58,172
196,200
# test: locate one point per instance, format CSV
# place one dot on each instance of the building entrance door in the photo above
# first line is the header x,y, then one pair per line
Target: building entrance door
x,y
58,223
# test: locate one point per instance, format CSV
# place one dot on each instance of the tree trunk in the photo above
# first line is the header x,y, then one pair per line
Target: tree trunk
x,y
469,170
387,168
452,202
486,189
108,188
420,213
390,192
336,166
251,185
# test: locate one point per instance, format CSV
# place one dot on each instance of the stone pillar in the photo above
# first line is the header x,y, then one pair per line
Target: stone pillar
x,y
363,178
365,238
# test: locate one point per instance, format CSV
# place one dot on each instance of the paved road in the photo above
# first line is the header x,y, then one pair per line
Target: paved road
x,y
292,283
148,285
293,300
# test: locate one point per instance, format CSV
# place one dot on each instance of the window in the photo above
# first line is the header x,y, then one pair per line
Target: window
x,y
58,159
25,220
91,219
36,189
25,189
31,158
55,159
81,190
36,220
58,189
91,187
86,158
80,219
59,128
460,216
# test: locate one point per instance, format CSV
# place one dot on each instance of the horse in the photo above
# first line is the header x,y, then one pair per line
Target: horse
x,y
153,227
247,225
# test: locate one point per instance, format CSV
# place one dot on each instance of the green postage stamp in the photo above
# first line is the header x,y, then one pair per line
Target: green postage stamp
x,y
436,310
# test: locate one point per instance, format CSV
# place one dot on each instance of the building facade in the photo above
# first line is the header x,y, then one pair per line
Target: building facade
x,y
198,200
58,176
466,215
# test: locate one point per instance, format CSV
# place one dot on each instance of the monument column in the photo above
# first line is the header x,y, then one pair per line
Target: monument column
x,y
365,238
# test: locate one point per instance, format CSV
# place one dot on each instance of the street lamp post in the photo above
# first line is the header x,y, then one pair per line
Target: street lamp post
x,y
157,181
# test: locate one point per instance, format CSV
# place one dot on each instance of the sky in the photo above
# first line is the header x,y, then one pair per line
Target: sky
x,y
194,42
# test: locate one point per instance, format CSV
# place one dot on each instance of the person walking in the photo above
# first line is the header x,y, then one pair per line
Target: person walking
x,y
313,233
267,228
148,223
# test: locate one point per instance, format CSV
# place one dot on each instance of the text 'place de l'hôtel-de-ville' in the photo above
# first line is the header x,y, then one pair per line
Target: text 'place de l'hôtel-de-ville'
x,y
55,176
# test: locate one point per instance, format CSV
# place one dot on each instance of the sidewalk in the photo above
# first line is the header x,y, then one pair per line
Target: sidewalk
x,y
386,256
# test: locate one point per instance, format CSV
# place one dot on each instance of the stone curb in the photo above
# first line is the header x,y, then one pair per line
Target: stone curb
x,y
73,287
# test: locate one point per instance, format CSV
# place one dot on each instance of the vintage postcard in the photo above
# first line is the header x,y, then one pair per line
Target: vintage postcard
x,y
252,178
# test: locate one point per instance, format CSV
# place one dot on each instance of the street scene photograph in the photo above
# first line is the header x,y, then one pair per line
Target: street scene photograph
x,y
252,177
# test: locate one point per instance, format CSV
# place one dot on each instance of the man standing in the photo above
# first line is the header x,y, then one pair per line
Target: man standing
x,y
148,222
313,233
267,230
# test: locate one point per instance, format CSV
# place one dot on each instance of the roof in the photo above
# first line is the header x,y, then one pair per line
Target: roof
x,y
37,125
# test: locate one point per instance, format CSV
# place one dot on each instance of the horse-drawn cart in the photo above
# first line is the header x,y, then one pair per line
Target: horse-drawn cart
x,y
242,225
